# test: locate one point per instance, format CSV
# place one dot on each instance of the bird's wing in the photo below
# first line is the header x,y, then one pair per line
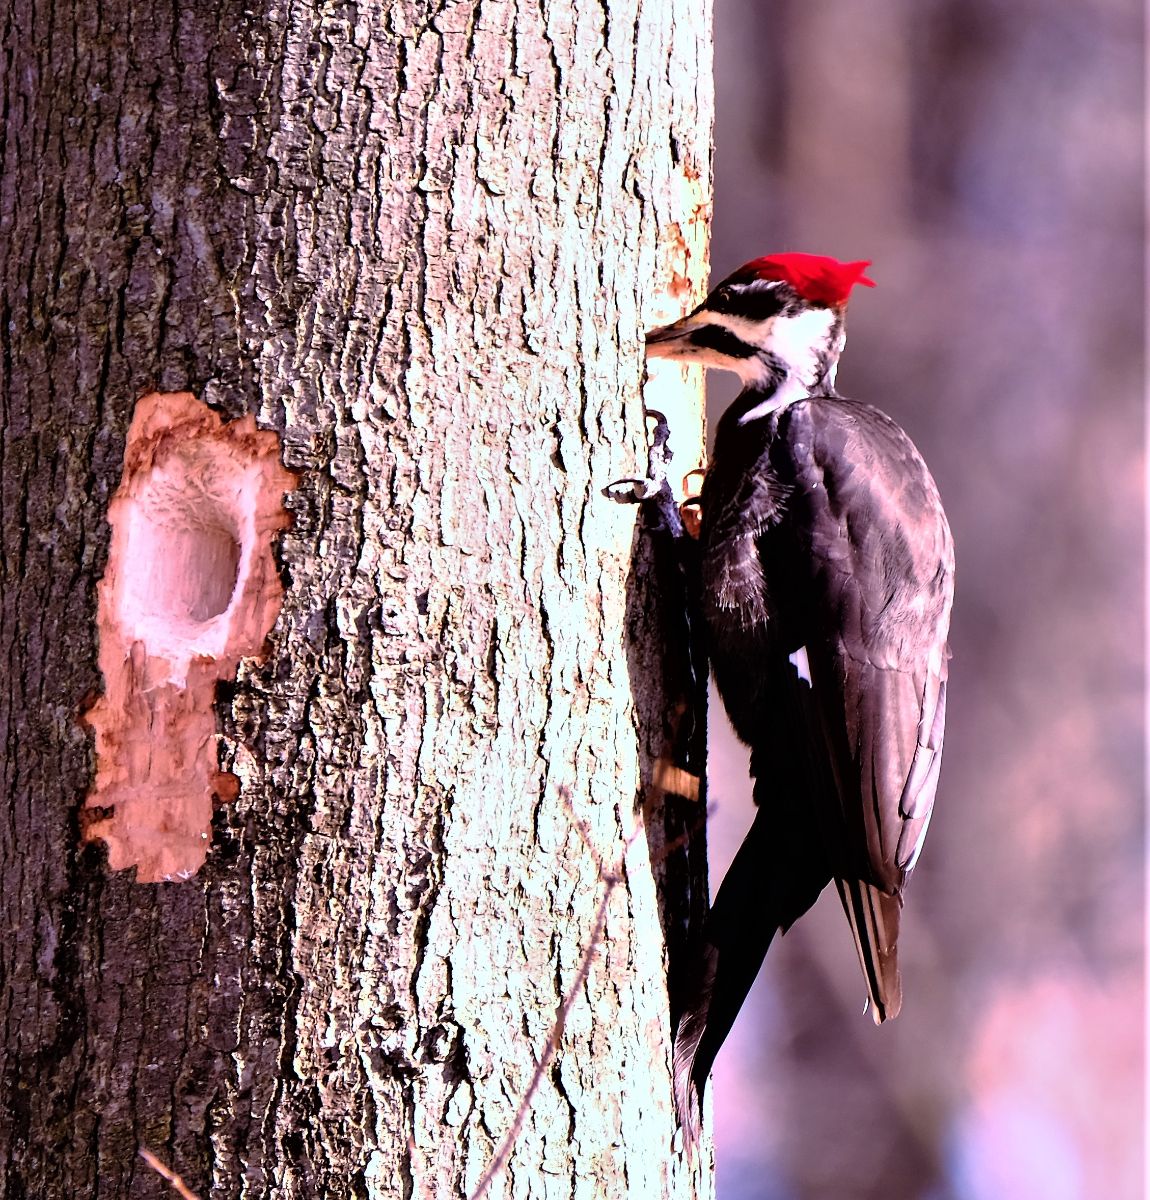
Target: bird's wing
x,y
882,564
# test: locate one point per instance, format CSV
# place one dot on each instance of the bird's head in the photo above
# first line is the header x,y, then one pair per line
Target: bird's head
x,y
776,318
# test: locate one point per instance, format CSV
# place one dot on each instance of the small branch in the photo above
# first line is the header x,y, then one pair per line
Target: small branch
x,y
501,1155
166,1172
610,880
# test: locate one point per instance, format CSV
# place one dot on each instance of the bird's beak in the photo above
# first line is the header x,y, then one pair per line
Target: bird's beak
x,y
670,341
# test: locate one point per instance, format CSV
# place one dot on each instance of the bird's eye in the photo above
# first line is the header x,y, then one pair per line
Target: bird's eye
x,y
724,295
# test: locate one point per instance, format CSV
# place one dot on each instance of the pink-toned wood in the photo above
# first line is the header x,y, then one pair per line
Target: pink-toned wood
x,y
190,588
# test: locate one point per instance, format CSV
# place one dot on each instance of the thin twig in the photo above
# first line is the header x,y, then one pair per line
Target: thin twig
x,y
501,1155
166,1172
610,880
584,832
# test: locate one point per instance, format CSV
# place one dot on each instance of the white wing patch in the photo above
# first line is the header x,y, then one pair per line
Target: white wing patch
x,y
801,664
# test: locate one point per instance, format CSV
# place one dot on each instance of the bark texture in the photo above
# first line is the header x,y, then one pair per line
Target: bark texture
x,y
420,241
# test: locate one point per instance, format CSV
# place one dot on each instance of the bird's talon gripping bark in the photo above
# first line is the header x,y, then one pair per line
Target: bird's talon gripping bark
x,y
661,434
691,514
635,491
654,492
632,491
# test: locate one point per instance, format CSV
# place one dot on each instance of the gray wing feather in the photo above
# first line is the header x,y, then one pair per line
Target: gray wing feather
x,y
883,559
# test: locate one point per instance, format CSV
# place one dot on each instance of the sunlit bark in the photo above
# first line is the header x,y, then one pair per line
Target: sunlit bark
x,y
419,243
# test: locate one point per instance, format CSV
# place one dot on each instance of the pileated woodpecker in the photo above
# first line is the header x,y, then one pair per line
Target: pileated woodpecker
x,y
827,567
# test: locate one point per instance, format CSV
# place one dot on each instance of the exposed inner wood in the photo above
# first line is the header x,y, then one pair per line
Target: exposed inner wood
x,y
190,588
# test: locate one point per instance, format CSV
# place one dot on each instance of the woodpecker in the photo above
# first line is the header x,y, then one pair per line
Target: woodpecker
x,y
826,566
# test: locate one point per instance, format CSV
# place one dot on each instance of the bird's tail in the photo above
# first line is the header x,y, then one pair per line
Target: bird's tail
x,y
723,979
874,918
775,878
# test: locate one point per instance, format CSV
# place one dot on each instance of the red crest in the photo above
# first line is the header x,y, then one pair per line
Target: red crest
x,y
815,277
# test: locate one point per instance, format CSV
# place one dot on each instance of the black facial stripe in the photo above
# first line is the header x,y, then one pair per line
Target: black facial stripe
x,y
715,337
758,305
756,302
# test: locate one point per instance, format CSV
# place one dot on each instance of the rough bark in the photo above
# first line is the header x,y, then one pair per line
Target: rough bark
x,y
419,242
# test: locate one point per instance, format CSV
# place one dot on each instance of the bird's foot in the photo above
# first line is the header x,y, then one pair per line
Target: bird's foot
x,y
653,492
691,510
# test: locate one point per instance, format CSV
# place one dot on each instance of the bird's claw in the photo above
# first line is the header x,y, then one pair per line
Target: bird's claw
x,y
654,492
660,435
635,491
659,507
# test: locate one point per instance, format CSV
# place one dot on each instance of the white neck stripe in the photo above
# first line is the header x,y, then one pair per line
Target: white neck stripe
x,y
789,391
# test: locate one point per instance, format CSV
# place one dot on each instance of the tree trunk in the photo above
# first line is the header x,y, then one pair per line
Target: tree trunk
x,y
419,243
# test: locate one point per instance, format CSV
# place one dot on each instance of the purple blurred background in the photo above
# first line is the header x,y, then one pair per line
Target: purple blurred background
x,y
988,156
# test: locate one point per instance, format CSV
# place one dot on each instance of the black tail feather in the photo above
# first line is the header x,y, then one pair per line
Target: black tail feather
x,y
776,876
874,918
723,981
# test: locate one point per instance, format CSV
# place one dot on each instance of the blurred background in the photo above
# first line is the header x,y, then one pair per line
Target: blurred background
x,y
988,156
